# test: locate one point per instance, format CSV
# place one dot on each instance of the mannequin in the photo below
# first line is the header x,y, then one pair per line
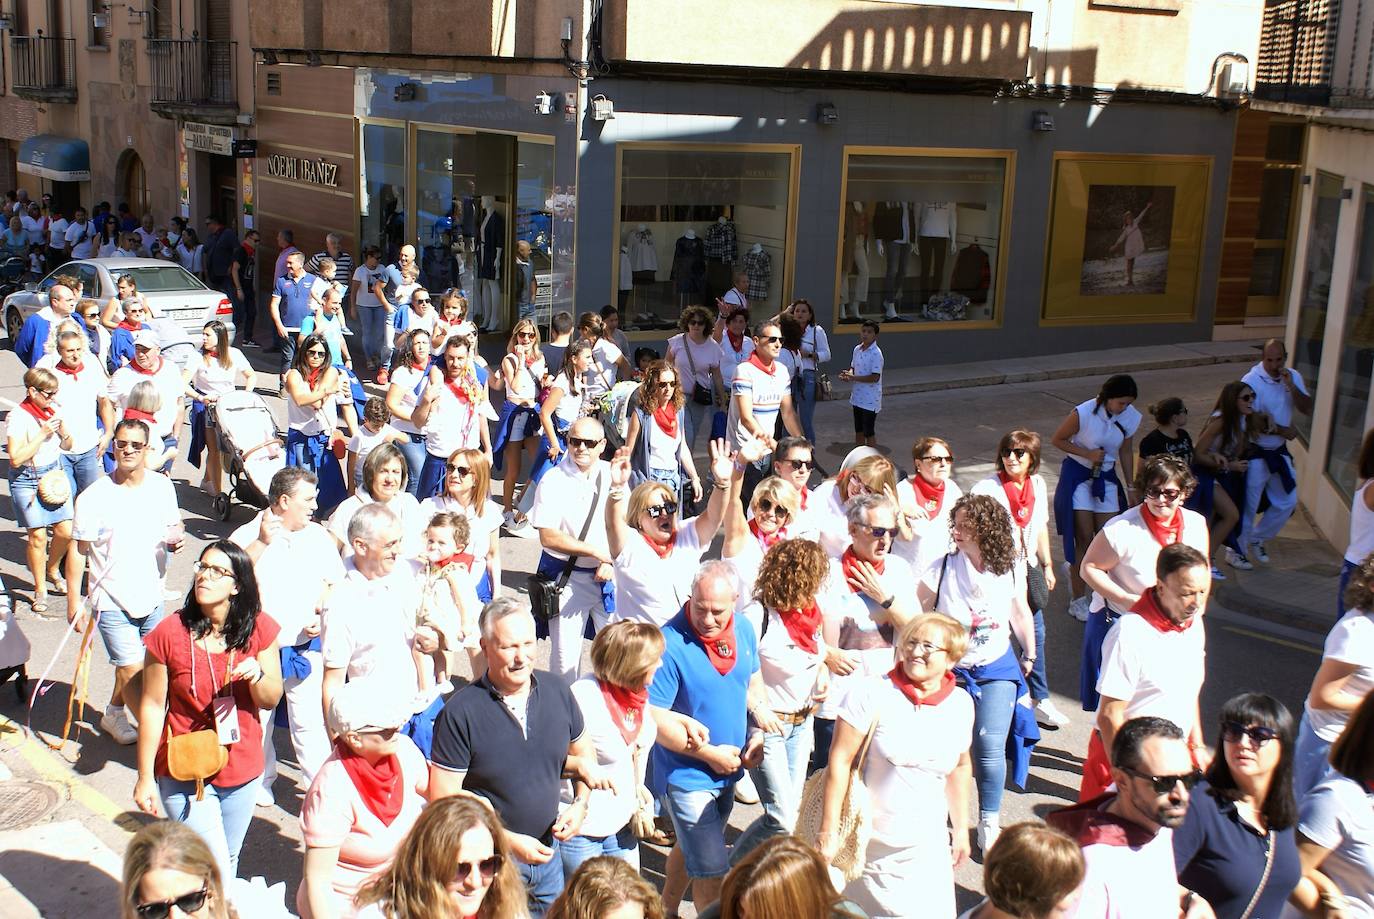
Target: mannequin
x,y
937,221
722,251
491,241
893,227
688,273
626,279
854,293
758,264
643,255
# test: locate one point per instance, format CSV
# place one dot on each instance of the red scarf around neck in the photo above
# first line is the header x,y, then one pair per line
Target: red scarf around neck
x,y
1165,532
138,368
137,415
627,708
662,550
930,496
1147,607
420,367
381,786
736,341
849,564
722,649
61,367
665,416
803,626
39,413
1021,498
770,369
913,692
457,558
805,493
460,386
313,376
129,325
767,540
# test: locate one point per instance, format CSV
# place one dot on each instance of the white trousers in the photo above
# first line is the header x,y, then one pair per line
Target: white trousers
x,y
1260,481
486,306
858,282
580,598
305,717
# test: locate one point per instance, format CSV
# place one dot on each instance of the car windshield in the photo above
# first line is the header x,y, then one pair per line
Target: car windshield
x,y
161,279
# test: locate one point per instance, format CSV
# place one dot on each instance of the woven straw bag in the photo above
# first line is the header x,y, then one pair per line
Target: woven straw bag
x,y
853,826
54,490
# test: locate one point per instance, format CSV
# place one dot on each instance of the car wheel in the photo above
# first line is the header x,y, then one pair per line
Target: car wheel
x,y
13,323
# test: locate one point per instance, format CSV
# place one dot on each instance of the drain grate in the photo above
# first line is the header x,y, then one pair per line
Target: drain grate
x,y
25,803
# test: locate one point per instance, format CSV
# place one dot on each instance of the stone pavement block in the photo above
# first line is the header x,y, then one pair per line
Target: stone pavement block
x,y
59,870
1298,586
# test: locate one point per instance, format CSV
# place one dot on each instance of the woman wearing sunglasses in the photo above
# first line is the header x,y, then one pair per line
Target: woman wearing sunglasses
x,y
1237,848
312,389
773,510
829,504
466,492
1018,487
365,798
453,412
455,863
167,867
660,448
219,370
35,436
926,498
565,401
1222,448
522,370
697,357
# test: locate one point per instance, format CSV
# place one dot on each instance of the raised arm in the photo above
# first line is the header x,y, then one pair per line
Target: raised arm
x,y
617,529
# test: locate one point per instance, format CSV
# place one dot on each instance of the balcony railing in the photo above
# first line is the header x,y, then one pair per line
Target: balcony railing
x,y
193,77
44,67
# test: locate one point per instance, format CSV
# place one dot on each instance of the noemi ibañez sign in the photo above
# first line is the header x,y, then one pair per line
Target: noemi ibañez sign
x,y
300,169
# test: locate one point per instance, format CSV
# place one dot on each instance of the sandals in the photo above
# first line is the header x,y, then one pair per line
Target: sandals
x,y
59,583
40,603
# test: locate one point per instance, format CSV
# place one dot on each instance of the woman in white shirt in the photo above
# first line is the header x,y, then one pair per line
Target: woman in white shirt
x,y
36,437
659,447
384,482
614,703
926,498
732,334
467,493
312,387
407,381
565,401
190,253
1361,543
872,475
772,509
220,369
453,411
697,357
522,369
814,351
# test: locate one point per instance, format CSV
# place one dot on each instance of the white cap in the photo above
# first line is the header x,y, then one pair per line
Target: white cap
x,y
370,702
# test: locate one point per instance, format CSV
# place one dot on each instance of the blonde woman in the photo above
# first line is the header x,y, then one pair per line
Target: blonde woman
x,y
660,448
467,493
607,888
870,475
522,370
221,369
167,867
772,510
36,438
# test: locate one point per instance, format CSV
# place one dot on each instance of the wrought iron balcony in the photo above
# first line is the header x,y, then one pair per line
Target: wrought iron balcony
x,y
44,67
194,78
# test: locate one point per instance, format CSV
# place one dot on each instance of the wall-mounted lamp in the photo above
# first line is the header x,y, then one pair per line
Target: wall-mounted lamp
x,y
1347,194
1042,121
312,59
134,12
6,21
826,113
269,57
543,103
603,109
405,92
1307,180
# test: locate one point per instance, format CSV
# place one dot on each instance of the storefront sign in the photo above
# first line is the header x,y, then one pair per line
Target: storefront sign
x,y
209,138
299,169
246,194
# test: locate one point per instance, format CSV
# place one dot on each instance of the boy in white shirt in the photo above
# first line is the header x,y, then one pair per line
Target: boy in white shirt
x,y
866,373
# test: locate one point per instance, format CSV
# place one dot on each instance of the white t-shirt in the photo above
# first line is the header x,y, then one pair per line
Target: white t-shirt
x,y
483,524
317,419
193,260
1272,398
930,537
704,356
411,384
980,600
653,589
865,361
1026,533
213,379
1126,882
453,424
369,627
1153,672
561,500
57,233
1361,528
168,382
600,376
1137,550
1097,428
363,442
78,399
608,811
367,279
1350,641
1339,815
825,513
20,425
765,391
82,238
403,505
127,526
730,359
789,673
851,623
292,573
569,407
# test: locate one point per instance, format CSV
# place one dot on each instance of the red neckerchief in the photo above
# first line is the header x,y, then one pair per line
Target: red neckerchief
x,y
665,416
803,626
662,551
770,370
1021,498
627,708
849,562
419,368
61,367
736,341
381,786
138,368
211,352
39,414
932,496
129,325
530,360
767,540
805,493
722,649
137,415
1165,532
248,248
457,558
1147,607
913,692
456,387
313,376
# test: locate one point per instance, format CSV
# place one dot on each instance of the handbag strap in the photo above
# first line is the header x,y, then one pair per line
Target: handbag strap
x,y
1264,879
862,755
939,585
581,537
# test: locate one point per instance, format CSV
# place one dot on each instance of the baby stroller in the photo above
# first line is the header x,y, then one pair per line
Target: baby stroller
x,y
251,446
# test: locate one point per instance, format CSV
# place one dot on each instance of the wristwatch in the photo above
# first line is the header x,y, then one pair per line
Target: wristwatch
x,y
887,604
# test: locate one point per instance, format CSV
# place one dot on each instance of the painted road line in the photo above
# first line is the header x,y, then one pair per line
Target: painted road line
x,y
1296,645
51,768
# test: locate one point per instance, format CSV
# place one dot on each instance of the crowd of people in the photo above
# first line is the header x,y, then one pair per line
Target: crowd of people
x,y
864,658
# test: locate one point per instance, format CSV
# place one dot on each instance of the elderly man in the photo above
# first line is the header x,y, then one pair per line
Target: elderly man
x,y
1127,836
511,738
286,247
35,335
149,364
297,565
1278,391
569,513
1154,662
343,261
82,385
290,304
709,684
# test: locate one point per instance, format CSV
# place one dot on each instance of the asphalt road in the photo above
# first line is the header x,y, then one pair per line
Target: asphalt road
x,y
96,777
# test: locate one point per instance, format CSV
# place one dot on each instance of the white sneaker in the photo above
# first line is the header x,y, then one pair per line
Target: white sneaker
x,y
1080,607
745,792
115,723
1217,575
1238,561
265,798
1047,713
989,829
1258,554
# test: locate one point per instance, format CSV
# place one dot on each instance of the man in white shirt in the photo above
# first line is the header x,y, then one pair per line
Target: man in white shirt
x,y
578,486
297,565
1127,836
735,297
1278,391
127,525
149,364
1154,662
81,389
57,240
761,391
81,236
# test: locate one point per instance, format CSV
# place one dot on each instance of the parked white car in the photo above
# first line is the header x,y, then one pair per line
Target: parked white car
x,y
172,293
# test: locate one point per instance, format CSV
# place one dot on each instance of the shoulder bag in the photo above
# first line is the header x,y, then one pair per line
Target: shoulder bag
x,y
544,590
701,396
853,828
825,390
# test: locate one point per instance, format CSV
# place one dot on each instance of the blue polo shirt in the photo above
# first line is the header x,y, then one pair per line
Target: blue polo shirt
x,y
295,299
1221,858
520,773
688,683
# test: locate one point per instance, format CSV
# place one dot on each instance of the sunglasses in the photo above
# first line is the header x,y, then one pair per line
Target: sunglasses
x,y
692,322
524,336
799,463
771,339
934,458
1163,784
584,442
461,472
316,352
1233,731
420,300
1167,495
666,384
1249,398
187,903
882,532
132,445
768,507
47,392
487,868
658,510
1018,452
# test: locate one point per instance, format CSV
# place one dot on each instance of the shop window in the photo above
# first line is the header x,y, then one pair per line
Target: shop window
x,y
922,237
1316,288
1350,411
381,204
694,217
1273,233
543,220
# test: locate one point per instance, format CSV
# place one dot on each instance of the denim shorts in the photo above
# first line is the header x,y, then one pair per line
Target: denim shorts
x,y
123,635
699,819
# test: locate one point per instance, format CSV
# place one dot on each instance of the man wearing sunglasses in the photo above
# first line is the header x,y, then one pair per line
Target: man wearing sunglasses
x,y
761,394
1127,836
149,364
1279,390
1153,662
793,461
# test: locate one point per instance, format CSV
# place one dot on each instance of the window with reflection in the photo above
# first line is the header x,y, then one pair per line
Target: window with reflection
x,y
1316,288
382,188
1350,410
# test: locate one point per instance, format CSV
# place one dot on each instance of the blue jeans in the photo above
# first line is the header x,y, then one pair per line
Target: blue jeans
x,y
287,344
413,449
622,845
805,392
431,476
779,780
698,419
82,468
700,817
824,733
991,724
1038,681
543,883
221,818
1310,763
670,477
245,311
373,320
1347,569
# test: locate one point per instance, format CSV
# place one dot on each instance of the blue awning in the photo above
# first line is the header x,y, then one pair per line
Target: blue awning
x,y
51,156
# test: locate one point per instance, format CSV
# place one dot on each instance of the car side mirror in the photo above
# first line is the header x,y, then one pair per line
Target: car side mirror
x,y
31,286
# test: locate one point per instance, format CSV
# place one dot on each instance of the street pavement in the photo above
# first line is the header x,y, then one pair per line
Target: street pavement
x,y
1264,627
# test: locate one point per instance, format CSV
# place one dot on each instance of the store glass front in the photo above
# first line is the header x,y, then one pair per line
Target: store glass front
x,y
1350,413
1316,288
694,217
382,187
922,237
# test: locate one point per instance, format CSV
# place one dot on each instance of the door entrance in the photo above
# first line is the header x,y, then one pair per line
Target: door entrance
x,y
224,188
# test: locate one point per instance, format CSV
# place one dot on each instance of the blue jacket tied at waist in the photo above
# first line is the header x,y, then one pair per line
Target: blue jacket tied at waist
x,y
1024,733
1072,473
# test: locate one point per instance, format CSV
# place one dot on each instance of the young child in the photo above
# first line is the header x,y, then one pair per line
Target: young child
x,y
376,429
448,600
866,373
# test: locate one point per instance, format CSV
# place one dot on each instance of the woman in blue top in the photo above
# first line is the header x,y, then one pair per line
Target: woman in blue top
x,y
16,239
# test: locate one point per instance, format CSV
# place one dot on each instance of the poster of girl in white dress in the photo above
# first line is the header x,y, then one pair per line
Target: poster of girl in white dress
x,y
1126,246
